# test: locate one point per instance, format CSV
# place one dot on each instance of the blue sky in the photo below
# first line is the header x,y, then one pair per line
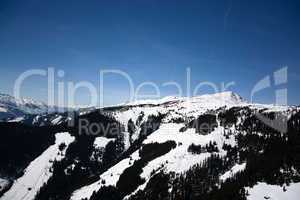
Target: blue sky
x,y
220,41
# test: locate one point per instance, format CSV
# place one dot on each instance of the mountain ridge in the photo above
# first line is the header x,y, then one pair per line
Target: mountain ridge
x,y
206,145
226,95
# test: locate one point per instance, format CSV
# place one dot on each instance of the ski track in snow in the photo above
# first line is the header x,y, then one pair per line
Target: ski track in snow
x,y
38,171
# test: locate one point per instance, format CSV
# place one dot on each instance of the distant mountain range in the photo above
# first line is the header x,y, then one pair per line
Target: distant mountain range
x,y
14,109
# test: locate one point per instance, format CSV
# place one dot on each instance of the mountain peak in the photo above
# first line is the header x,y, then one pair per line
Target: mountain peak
x,y
227,96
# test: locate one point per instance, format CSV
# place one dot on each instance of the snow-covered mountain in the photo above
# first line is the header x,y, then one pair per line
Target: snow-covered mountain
x,y
218,98
205,147
12,109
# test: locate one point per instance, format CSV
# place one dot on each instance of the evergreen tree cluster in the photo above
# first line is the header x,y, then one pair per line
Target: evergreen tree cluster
x,y
204,124
211,147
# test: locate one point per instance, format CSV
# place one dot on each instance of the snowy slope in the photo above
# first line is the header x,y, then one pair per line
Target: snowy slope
x,y
178,160
38,172
111,177
263,191
175,107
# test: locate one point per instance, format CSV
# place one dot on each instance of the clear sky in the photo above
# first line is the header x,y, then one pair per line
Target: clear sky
x,y
220,41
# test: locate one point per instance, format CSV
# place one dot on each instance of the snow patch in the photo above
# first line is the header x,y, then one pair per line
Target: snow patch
x,y
2,109
110,177
235,169
101,142
17,119
56,120
263,191
38,172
